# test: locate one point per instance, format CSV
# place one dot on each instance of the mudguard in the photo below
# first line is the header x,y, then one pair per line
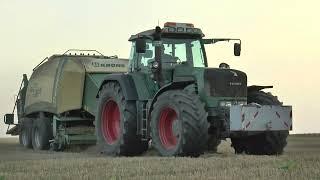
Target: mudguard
x,y
170,86
257,88
126,83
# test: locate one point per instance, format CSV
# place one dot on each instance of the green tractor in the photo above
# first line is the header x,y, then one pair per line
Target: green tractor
x,y
170,97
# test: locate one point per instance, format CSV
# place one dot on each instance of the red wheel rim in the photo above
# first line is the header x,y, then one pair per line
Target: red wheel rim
x,y
110,122
168,138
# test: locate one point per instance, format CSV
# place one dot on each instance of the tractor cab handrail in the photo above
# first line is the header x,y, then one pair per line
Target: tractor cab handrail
x,y
215,40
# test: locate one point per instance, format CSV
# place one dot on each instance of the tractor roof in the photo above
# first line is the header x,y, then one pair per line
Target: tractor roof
x,y
173,30
147,33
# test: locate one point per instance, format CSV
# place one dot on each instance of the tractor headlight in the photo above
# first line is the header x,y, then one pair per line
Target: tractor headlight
x,y
241,102
225,103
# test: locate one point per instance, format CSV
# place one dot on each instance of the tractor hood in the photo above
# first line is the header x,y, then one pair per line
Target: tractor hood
x,y
225,82
214,82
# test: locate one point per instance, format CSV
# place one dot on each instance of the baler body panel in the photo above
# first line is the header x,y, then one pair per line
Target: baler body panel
x,y
58,84
68,89
39,96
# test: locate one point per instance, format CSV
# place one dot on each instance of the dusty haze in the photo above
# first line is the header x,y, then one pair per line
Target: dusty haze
x,y
280,40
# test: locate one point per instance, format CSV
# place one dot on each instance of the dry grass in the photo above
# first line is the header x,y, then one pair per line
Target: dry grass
x,y
300,161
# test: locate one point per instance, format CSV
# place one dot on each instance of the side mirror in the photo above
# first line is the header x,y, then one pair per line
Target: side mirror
x,y
141,46
237,49
9,118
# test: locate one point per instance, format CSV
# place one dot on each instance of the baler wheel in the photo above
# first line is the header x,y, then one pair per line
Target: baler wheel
x,y
25,135
41,134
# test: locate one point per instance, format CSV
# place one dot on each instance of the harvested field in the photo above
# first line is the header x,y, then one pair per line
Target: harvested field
x,y
301,160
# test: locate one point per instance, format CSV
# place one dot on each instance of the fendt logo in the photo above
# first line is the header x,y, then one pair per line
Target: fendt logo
x,y
98,64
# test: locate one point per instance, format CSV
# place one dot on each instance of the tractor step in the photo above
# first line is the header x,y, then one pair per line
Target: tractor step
x,y
142,123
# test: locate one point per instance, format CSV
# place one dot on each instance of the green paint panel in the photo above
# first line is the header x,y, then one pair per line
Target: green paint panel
x,y
145,86
81,139
92,84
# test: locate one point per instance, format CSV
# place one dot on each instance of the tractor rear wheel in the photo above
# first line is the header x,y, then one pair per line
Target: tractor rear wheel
x,y
41,134
266,143
25,136
179,124
116,123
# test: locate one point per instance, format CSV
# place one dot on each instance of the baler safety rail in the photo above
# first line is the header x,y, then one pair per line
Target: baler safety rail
x,y
46,58
254,117
81,51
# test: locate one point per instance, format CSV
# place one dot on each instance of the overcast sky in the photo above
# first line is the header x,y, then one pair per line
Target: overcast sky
x,y
280,40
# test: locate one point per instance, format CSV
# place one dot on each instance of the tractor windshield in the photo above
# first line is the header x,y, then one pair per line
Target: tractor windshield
x,y
174,51
177,51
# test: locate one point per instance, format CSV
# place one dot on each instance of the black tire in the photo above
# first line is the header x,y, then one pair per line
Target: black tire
x,y
20,136
117,134
25,135
20,139
213,133
57,147
41,134
179,125
213,143
266,143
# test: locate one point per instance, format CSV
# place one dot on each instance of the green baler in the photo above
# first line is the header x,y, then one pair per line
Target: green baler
x,y
57,104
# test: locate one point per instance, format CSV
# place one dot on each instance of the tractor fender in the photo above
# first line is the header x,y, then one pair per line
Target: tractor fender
x,y
126,83
170,86
257,88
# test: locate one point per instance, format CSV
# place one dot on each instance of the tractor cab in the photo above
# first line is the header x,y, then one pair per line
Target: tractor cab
x,y
178,45
159,51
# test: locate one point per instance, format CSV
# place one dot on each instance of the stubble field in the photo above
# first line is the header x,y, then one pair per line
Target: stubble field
x,y
301,160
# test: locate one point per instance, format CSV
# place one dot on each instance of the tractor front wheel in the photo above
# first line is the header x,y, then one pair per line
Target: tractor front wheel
x,y
179,124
